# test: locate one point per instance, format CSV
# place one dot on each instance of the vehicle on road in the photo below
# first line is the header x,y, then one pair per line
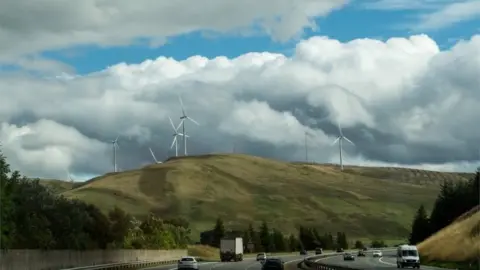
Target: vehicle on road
x,y
348,257
407,256
273,264
339,249
231,249
377,253
318,251
303,252
361,253
261,256
187,262
365,249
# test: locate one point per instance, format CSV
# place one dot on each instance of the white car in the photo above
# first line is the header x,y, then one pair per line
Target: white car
x,y
261,257
377,253
187,262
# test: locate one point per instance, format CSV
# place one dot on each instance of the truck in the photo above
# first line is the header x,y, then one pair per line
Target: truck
x,y
231,249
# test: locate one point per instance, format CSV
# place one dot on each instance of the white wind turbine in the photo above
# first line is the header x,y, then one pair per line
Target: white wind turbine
x,y
175,135
339,140
115,146
69,176
153,155
183,118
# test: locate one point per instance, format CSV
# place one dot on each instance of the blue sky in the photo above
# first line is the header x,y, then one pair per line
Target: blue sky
x,y
345,24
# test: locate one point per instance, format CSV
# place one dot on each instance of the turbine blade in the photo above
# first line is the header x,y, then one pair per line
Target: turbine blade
x,y
336,140
181,105
117,138
189,118
173,142
340,129
153,155
346,139
179,125
171,123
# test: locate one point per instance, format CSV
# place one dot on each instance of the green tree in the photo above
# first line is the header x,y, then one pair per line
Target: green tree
x,y
420,227
121,223
279,241
218,232
359,244
265,237
293,243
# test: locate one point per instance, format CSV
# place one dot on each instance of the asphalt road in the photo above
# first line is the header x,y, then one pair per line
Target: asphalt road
x,y
246,264
387,262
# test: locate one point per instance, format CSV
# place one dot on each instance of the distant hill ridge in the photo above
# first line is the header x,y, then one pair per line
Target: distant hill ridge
x,y
362,201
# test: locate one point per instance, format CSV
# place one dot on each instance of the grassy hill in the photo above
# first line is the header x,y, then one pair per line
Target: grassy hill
x,y
364,202
458,242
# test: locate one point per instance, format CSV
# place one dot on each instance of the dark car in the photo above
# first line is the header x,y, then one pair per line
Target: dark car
x,y
348,257
361,253
303,252
339,249
318,251
365,249
273,264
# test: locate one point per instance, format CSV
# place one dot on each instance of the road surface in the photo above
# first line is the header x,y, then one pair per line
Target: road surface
x,y
387,262
247,264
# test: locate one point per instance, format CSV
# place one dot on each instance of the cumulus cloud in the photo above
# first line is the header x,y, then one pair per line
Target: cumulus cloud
x,y
30,27
402,101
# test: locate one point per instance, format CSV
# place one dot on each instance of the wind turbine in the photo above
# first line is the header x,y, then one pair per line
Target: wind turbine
x,y
183,118
339,140
306,145
175,134
69,176
115,146
153,155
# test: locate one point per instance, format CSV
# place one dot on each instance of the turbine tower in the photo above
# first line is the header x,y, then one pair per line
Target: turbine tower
x,y
306,145
183,118
339,139
115,146
153,155
69,176
175,135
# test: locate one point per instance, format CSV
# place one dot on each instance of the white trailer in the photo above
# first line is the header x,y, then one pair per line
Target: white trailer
x,y
231,249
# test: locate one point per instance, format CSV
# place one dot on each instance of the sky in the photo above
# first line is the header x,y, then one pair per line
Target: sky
x,y
400,77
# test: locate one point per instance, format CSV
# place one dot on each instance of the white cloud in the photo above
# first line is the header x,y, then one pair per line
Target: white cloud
x,y
402,101
29,28
450,14
430,14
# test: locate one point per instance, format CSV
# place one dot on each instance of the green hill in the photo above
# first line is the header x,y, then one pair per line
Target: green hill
x,y
362,201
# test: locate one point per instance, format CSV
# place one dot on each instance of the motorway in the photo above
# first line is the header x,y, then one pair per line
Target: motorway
x,y
387,262
291,262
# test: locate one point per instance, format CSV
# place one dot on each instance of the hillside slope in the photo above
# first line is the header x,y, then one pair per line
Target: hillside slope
x,y
458,242
243,189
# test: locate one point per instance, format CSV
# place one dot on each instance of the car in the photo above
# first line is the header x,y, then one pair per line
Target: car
x,y
348,257
303,252
318,251
273,264
339,249
361,253
365,249
187,262
377,253
261,257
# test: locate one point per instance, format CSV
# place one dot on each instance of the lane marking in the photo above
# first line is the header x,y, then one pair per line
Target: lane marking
x,y
382,261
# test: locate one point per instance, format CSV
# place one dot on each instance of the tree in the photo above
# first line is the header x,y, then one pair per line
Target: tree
x,y
278,241
293,243
265,237
218,232
359,244
420,227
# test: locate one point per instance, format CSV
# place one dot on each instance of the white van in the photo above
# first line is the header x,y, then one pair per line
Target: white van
x,y
408,256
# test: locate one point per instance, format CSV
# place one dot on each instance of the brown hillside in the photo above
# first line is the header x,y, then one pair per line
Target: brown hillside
x,y
361,201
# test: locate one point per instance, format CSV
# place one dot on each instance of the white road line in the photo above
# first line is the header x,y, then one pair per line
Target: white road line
x,y
381,260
